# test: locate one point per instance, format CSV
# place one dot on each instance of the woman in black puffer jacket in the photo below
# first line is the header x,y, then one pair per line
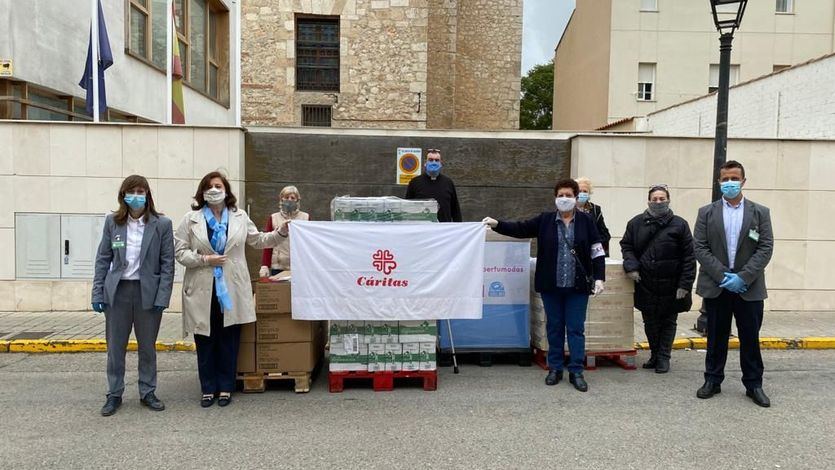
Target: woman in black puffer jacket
x,y
658,255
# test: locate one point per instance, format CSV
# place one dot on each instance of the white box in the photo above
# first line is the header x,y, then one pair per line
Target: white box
x,y
428,357
394,357
376,357
411,356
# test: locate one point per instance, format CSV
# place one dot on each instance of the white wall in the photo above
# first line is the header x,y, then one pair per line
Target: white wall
x,y
78,168
795,179
47,41
796,103
681,38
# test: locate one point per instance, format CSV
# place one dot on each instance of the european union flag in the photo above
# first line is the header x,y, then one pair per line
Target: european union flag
x,y
105,57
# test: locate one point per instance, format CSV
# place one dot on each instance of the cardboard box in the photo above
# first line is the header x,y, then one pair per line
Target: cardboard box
x,y
281,328
376,357
248,333
340,328
394,357
368,332
343,360
418,331
411,356
288,357
272,297
428,357
386,332
246,358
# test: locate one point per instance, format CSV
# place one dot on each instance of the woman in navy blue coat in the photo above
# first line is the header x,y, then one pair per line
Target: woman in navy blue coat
x,y
570,266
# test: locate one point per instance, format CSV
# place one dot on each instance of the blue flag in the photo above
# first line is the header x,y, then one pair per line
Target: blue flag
x,y
105,61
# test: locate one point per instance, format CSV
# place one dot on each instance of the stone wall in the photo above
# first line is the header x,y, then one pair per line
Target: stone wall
x,y
488,64
403,63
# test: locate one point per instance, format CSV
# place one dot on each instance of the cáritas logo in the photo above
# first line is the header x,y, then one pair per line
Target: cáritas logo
x,y
383,261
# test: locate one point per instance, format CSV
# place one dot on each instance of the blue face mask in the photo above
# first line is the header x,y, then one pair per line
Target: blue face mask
x,y
583,198
731,189
135,201
433,168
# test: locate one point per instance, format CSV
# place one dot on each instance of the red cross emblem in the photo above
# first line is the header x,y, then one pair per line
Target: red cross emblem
x,y
384,261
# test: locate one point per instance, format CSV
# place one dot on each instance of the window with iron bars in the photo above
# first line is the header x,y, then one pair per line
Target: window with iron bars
x,y
317,54
316,115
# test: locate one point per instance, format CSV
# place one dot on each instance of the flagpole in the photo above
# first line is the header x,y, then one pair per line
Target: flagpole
x,y
169,51
238,63
94,47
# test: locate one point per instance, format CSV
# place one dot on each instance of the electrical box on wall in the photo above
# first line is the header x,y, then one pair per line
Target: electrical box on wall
x,y
56,246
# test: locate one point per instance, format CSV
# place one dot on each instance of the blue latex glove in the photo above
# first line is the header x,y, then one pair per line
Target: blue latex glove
x,y
733,283
99,307
158,309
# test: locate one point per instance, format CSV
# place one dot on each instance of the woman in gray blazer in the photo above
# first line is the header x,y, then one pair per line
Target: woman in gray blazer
x,y
132,284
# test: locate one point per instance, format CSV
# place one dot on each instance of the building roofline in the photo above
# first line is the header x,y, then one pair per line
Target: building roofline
x,y
565,30
618,122
748,82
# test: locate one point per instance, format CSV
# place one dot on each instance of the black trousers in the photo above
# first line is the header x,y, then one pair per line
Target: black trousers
x,y
660,328
749,319
217,354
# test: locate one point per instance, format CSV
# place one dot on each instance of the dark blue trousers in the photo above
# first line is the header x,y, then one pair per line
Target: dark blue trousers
x,y
749,319
217,354
565,311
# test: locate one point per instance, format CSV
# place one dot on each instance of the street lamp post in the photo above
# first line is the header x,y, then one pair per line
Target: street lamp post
x,y
727,16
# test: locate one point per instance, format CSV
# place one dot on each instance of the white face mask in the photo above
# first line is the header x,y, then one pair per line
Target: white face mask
x,y
214,196
566,204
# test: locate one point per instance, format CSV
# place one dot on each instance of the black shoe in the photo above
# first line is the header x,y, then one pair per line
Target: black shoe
x,y
759,397
578,381
650,364
662,366
554,377
207,400
110,407
152,402
708,390
224,400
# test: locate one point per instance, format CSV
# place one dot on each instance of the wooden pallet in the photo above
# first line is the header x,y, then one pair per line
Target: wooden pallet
x,y
256,382
382,381
486,357
624,359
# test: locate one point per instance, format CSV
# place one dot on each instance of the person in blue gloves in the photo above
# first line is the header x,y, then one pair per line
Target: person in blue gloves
x,y
733,244
134,275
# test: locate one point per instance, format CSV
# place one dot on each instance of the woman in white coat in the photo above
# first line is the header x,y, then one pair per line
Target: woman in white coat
x,y
217,294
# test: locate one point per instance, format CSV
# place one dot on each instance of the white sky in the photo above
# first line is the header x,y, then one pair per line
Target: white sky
x,y
543,22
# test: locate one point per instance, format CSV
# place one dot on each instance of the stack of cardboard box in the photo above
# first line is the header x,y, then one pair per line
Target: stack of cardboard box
x,y
276,342
609,318
375,346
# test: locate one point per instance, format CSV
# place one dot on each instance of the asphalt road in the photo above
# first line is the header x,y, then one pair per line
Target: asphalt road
x,y
499,417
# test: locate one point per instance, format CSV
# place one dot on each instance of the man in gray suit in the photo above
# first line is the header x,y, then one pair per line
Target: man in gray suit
x,y
733,244
134,275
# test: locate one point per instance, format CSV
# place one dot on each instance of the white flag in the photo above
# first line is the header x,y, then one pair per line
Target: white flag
x,y
379,271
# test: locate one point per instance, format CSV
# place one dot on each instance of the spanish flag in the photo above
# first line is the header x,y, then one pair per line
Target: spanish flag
x,y
178,109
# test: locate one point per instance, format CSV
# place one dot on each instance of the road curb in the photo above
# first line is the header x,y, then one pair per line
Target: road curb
x,y
40,346
809,342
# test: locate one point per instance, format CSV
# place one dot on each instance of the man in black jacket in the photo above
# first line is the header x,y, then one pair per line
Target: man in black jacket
x,y
657,250
433,185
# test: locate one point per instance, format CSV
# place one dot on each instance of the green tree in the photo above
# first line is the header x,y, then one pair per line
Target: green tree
x,y
537,106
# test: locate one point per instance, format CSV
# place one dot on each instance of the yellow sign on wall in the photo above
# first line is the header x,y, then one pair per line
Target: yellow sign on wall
x,y
6,68
408,164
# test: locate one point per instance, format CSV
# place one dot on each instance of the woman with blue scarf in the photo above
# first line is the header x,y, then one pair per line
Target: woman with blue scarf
x,y
217,294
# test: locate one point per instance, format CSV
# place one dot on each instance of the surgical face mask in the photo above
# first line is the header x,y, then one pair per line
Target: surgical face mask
x,y
583,198
657,209
214,196
566,204
731,189
135,201
289,206
433,168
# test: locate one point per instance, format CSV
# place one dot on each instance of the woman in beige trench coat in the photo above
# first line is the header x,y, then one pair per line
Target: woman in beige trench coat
x,y
217,301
